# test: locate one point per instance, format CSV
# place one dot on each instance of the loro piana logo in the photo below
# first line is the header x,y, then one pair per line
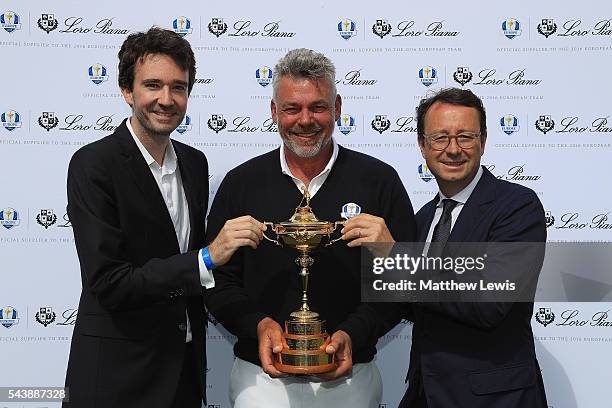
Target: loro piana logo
x,y
545,316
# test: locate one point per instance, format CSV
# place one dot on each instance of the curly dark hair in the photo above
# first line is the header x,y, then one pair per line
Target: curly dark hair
x,y
155,41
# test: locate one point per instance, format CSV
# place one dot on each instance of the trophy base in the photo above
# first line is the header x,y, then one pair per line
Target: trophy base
x,y
304,362
306,341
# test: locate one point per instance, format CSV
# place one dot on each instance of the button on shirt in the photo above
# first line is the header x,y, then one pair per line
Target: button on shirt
x,y
461,198
168,179
316,182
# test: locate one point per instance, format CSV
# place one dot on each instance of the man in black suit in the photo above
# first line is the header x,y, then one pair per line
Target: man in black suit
x,y
137,202
477,354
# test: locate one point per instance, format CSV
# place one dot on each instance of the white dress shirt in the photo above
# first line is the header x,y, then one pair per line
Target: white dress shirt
x,y
317,181
168,179
461,198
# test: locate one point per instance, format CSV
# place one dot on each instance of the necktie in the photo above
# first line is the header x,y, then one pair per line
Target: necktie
x,y
442,229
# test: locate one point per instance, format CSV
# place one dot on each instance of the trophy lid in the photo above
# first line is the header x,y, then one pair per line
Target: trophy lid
x,y
303,215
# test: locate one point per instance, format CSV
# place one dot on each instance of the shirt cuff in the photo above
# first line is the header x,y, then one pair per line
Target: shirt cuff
x,y
206,277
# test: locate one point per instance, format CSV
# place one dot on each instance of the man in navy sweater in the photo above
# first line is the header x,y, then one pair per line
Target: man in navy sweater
x,y
257,289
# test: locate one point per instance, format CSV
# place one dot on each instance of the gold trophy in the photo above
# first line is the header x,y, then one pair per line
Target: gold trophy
x,y
305,335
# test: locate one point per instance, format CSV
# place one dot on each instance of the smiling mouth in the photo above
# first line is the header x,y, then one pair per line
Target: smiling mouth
x,y
454,163
164,116
306,134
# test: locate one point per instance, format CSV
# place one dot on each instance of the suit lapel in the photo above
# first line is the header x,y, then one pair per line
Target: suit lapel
x,y
482,197
191,190
425,217
140,175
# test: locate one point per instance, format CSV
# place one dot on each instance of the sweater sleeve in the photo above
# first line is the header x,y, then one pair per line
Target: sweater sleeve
x,y
372,320
229,301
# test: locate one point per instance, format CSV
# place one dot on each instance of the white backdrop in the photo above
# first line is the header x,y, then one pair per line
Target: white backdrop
x,y
558,68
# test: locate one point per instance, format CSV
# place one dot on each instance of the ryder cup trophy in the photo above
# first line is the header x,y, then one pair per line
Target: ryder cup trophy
x,y
304,332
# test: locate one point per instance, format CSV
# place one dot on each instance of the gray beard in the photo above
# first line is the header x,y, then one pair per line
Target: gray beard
x,y
303,153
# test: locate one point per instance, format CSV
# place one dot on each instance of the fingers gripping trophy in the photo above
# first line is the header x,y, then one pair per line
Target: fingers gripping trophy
x,y
305,335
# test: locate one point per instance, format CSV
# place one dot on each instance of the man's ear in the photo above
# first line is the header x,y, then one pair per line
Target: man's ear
x,y
273,111
338,106
421,141
128,96
483,142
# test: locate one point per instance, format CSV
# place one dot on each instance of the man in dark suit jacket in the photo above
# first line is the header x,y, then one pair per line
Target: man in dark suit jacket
x,y
137,202
476,354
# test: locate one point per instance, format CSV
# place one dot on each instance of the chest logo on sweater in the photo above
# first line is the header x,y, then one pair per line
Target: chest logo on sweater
x,y
350,210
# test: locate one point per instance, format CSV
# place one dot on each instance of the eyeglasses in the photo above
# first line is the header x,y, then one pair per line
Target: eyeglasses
x,y
440,142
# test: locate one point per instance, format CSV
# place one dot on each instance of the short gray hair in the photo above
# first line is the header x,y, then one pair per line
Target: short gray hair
x,y
305,63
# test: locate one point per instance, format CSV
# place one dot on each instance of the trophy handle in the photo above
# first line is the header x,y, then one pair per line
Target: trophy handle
x,y
271,225
336,225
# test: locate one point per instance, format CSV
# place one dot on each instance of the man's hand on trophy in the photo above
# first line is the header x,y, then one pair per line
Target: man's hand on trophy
x,y
341,346
365,228
270,336
236,233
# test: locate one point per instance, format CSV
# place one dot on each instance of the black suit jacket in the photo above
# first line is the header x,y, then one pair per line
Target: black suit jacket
x,y
480,354
129,338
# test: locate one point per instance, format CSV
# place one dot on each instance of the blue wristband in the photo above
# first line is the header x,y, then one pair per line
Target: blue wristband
x,y
206,258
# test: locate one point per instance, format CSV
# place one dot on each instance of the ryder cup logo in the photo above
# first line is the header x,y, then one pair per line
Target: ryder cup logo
x,y
10,21
217,123
182,26
428,75
381,28
545,123
47,23
263,76
545,316
45,316
350,210
9,218
462,75
46,218
10,120
97,73
185,125
346,124
217,27
347,28
9,316
509,124
547,27
550,220
381,123
424,173
48,120
511,28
